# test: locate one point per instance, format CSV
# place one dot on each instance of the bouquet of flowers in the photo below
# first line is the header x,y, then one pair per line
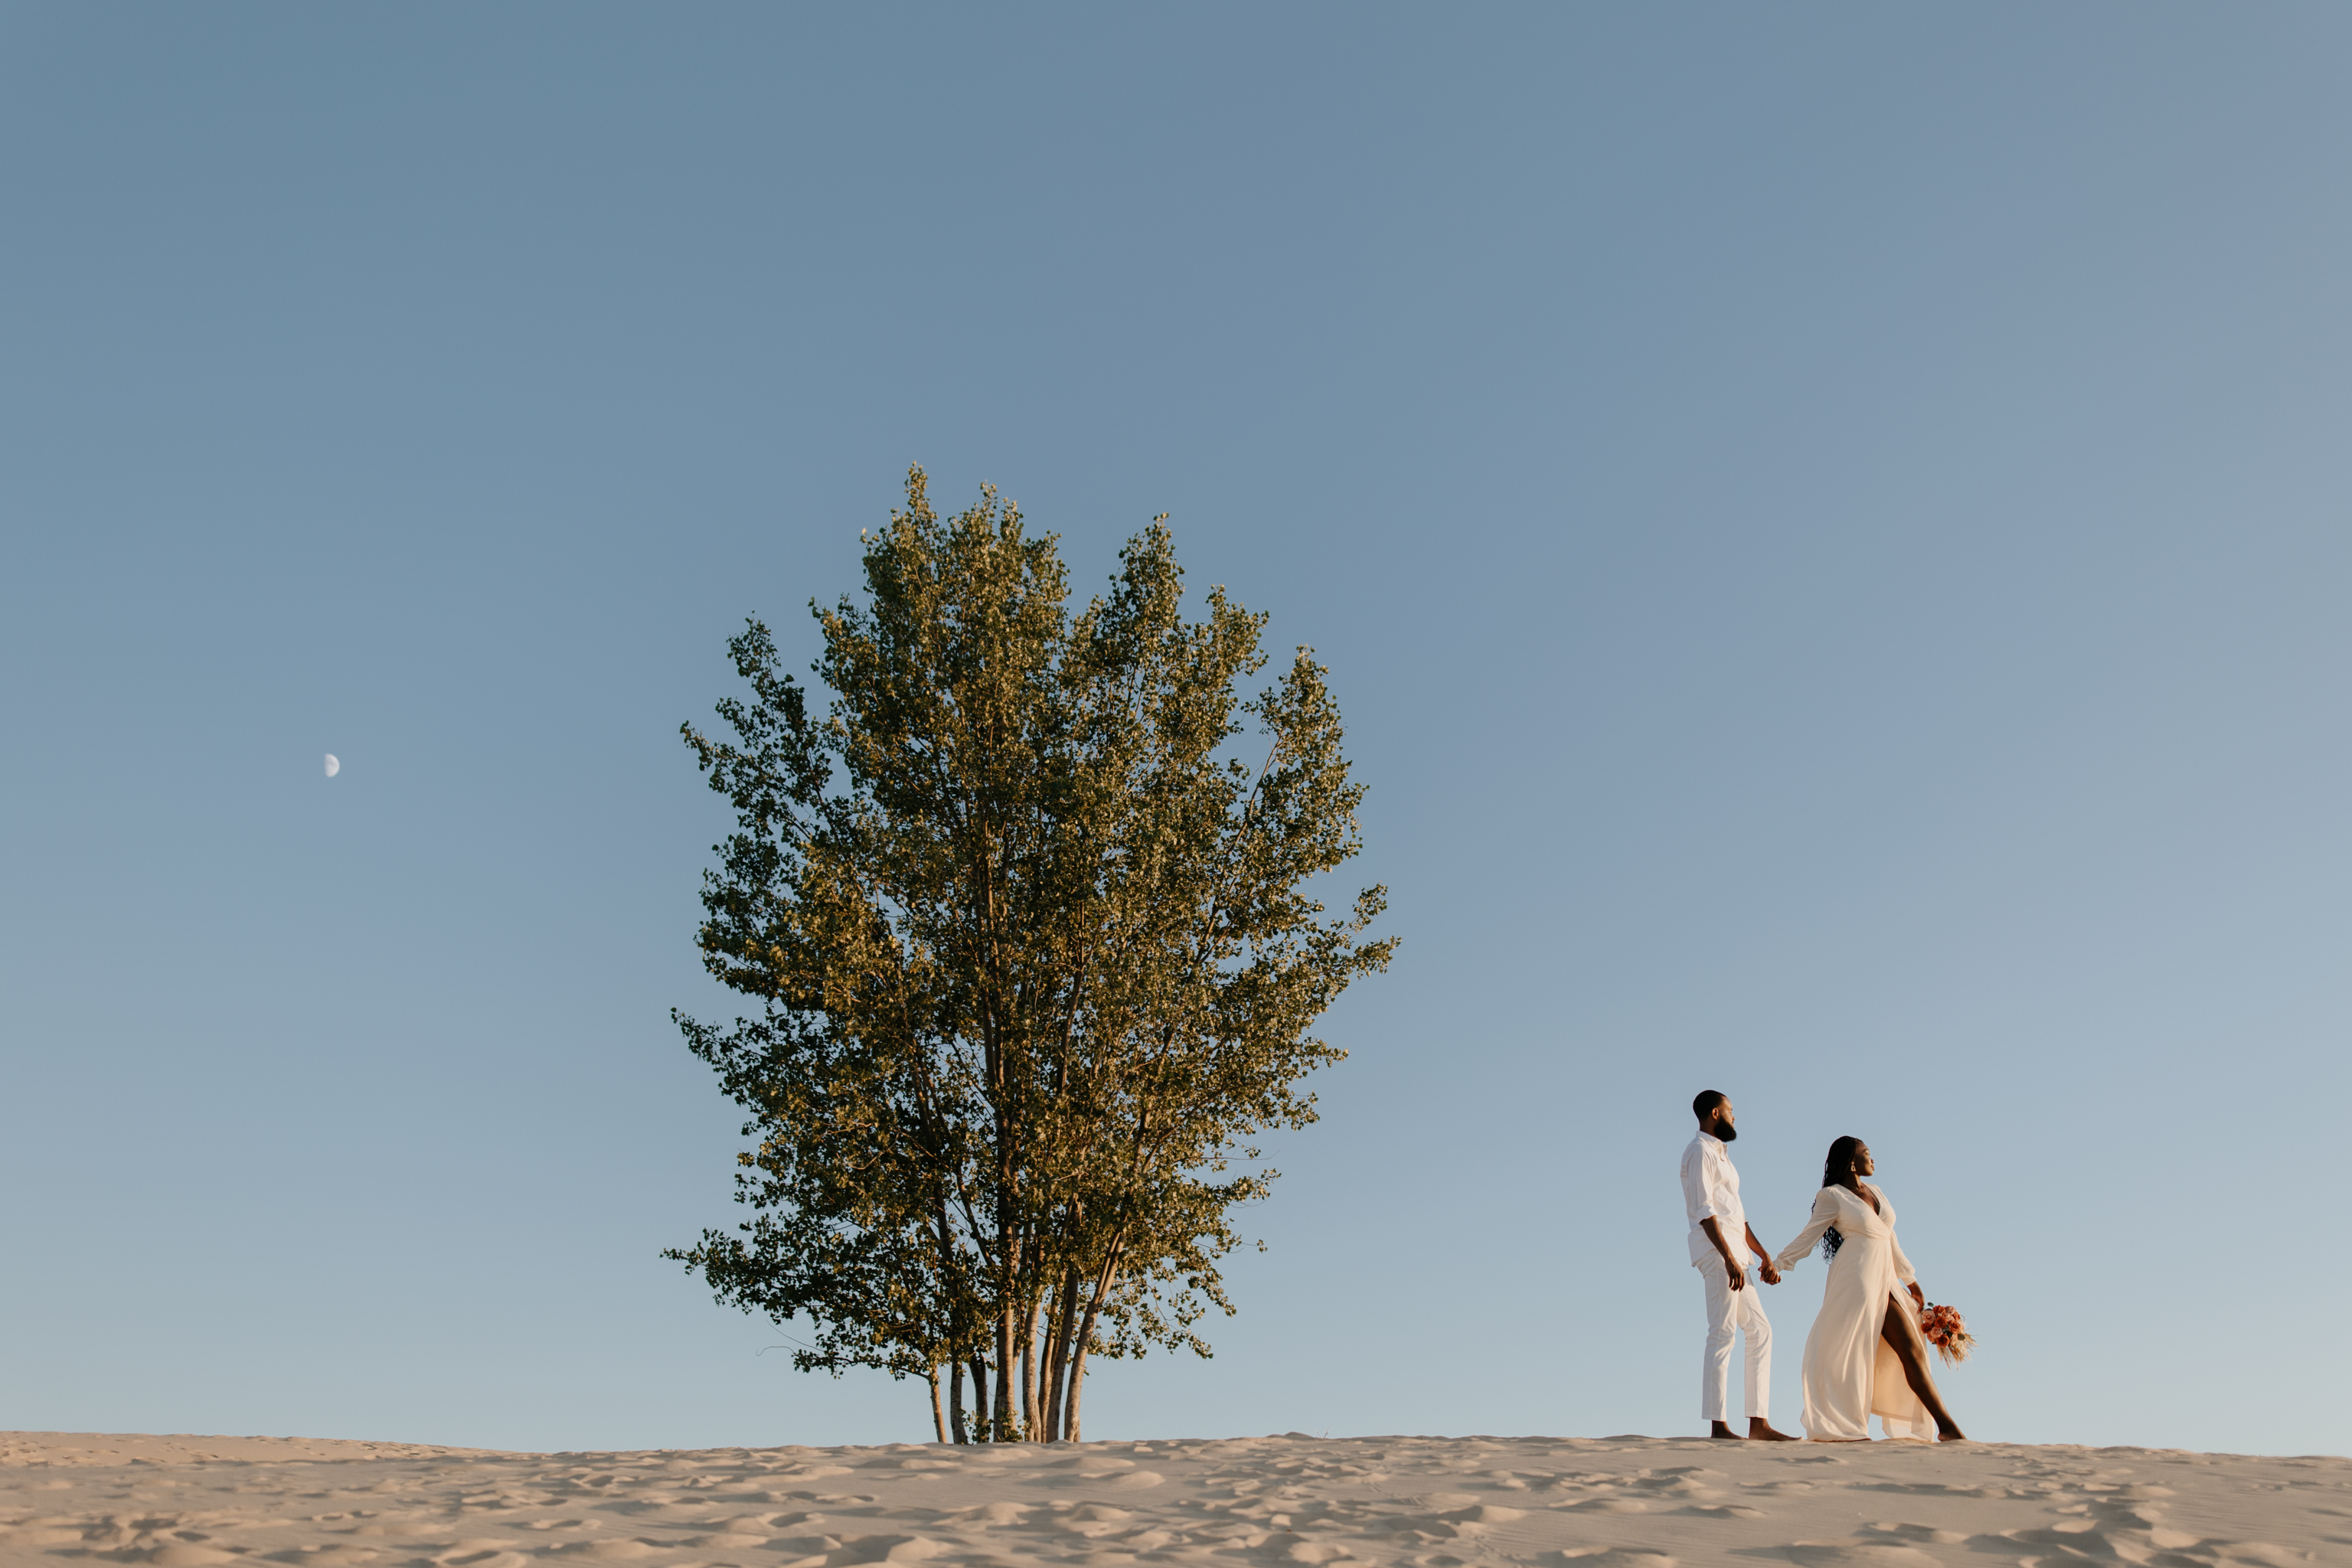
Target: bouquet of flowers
x,y
1947,1331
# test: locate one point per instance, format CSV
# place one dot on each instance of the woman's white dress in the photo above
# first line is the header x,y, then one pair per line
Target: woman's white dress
x,y
1851,1372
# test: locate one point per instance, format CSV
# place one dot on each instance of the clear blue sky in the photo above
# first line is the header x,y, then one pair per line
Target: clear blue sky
x,y
1830,524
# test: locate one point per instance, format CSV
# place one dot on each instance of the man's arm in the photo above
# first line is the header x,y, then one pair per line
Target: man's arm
x,y
1714,1228
1763,1259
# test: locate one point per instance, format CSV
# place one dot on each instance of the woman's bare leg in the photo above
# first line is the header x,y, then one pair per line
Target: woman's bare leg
x,y
1912,1351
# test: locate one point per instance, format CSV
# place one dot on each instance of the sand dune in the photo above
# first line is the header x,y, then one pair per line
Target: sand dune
x,y
1615,1502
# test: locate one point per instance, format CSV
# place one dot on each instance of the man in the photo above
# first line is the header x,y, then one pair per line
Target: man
x,y
1720,1247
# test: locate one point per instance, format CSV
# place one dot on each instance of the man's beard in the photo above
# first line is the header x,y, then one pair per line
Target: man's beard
x,y
1730,1134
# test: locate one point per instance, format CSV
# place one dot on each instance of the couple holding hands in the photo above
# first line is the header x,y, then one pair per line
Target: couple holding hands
x,y
1866,1355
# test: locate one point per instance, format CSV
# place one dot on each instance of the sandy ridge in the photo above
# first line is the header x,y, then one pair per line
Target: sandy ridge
x,y
1431,1502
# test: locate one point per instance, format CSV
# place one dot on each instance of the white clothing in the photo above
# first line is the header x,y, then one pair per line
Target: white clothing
x,y
1851,1374
1711,1191
1727,1310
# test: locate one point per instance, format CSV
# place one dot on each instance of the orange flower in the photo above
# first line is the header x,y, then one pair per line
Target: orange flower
x,y
1943,1327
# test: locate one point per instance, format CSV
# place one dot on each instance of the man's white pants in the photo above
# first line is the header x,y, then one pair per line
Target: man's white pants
x,y
1730,1311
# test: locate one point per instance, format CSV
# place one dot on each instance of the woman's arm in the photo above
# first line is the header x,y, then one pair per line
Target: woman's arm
x,y
1824,1216
1903,1269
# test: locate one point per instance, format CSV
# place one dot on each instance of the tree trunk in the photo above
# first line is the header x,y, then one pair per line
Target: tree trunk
x,y
1049,1374
939,1416
1057,1357
1020,1365
1086,1337
1031,1392
1002,1429
1078,1380
952,1274
979,1390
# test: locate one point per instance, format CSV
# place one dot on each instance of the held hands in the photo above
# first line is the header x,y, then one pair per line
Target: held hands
x,y
1771,1275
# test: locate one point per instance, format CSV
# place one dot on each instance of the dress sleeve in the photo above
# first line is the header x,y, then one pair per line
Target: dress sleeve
x,y
1824,1216
1903,1269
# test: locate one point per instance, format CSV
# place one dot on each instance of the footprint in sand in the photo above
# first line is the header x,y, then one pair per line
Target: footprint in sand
x,y
895,1548
1927,1532
1094,1519
475,1553
607,1551
732,1540
1857,1554
39,1533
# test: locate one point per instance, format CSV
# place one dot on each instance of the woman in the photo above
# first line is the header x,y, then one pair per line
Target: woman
x,y
1866,1355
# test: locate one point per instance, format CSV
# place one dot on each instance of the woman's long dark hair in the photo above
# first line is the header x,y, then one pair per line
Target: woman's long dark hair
x,y
1836,1171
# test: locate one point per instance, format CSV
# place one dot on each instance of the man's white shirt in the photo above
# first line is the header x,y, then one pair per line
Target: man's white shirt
x,y
1711,1190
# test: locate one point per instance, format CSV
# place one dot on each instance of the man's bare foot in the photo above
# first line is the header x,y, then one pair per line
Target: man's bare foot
x,y
1951,1434
1722,1429
1761,1431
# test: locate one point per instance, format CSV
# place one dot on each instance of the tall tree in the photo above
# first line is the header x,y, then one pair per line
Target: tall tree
x,y
1036,955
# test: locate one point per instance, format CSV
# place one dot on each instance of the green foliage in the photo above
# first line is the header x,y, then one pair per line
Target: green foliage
x,y
1037,957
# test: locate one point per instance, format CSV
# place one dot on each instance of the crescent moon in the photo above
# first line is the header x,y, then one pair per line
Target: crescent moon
x,y
334,766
